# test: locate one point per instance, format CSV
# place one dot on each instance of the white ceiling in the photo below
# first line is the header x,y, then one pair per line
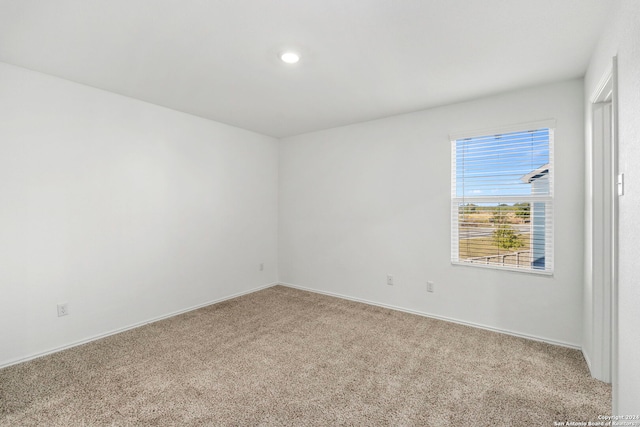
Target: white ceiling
x,y
361,59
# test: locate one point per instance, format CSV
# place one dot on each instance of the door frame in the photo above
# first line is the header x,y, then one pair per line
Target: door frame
x,y
604,228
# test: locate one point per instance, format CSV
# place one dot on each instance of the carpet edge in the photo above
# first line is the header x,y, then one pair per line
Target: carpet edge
x,y
133,326
435,316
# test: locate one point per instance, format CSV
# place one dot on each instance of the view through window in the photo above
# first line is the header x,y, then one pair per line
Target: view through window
x,y
502,200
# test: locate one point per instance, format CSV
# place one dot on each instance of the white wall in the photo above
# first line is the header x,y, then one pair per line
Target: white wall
x,y
124,210
361,201
621,38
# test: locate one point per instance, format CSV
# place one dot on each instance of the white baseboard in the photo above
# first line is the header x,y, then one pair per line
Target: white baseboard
x,y
135,325
434,316
333,294
586,358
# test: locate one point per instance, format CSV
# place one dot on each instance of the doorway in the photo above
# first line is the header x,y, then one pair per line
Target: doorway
x,y
601,298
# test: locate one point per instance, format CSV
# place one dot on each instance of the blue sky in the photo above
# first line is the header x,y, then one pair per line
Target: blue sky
x,y
493,165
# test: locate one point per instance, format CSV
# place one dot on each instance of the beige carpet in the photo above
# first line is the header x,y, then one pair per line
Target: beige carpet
x,y
287,357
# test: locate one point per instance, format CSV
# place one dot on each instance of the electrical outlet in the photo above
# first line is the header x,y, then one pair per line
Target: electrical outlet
x,y
389,280
261,266
63,309
429,286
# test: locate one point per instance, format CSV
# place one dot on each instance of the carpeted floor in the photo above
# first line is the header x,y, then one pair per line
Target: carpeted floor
x,y
282,356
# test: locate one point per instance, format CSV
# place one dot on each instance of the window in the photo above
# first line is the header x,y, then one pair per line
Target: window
x,y
502,199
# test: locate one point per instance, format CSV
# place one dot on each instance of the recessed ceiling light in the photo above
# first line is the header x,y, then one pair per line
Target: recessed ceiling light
x,y
290,57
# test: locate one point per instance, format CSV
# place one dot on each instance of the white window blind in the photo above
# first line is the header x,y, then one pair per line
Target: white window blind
x,y
502,200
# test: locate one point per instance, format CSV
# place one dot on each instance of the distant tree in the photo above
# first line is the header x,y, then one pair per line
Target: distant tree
x,y
505,237
500,214
523,210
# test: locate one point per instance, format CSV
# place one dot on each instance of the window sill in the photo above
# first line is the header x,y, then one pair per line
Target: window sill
x,y
500,268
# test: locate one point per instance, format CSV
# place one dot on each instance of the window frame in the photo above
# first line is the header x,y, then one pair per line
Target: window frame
x,y
549,199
